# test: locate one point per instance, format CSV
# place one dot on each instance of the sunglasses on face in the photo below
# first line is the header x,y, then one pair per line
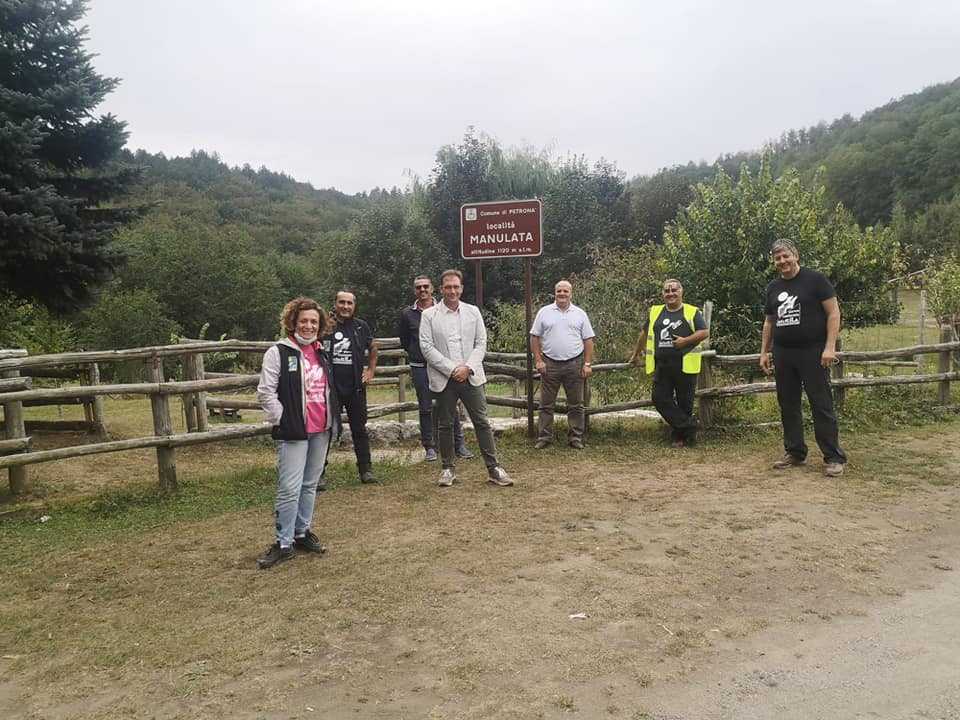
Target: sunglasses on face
x,y
421,287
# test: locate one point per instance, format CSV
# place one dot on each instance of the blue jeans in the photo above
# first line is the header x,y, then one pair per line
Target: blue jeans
x,y
300,465
428,418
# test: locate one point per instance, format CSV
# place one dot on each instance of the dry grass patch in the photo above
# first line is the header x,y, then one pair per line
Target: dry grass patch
x,y
458,603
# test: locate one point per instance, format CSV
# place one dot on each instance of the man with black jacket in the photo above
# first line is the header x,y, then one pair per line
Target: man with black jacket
x,y
351,347
408,328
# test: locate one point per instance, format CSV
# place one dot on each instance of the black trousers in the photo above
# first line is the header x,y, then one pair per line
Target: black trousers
x,y
428,418
796,370
673,393
355,403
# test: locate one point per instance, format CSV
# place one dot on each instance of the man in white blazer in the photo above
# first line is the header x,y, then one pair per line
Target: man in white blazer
x,y
454,340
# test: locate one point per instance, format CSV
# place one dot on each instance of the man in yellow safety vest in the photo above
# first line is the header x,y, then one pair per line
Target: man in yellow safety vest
x,y
668,343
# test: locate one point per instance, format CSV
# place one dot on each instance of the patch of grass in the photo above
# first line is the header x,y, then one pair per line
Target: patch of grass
x,y
140,508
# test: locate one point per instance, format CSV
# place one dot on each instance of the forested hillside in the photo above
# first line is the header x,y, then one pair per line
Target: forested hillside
x,y
898,164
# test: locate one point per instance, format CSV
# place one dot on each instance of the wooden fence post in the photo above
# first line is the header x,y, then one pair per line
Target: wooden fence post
x,y
98,419
516,394
162,425
836,373
705,407
401,396
200,398
87,409
194,403
944,363
923,314
14,427
188,399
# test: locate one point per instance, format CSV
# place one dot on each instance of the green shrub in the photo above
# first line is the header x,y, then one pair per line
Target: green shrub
x,y
34,328
127,318
719,249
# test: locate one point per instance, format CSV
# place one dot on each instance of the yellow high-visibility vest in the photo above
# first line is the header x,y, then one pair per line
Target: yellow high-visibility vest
x,y
691,360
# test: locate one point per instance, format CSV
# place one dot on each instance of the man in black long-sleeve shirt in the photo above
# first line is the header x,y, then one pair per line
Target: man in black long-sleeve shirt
x,y
408,328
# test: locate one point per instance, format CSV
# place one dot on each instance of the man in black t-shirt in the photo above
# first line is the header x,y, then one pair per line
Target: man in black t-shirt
x,y
350,346
801,327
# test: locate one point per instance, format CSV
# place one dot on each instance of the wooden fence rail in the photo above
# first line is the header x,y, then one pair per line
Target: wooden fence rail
x,y
17,390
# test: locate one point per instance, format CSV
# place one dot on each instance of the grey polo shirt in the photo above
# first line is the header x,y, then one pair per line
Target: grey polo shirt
x,y
562,332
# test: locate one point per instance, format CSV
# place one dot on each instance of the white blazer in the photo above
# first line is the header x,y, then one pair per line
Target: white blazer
x,y
436,351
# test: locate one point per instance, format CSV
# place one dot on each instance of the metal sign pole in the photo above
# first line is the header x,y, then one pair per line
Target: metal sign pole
x,y
528,298
479,267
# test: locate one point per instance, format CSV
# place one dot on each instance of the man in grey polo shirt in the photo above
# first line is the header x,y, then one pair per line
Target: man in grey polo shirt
x,y
562,342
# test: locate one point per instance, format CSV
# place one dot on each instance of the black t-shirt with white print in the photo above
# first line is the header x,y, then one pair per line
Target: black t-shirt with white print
x,y
347,346
796,306
669,325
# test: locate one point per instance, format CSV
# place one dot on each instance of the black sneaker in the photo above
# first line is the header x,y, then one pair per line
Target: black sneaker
x,y
310,543
274,555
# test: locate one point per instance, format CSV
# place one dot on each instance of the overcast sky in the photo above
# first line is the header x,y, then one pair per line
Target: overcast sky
x,y
359,93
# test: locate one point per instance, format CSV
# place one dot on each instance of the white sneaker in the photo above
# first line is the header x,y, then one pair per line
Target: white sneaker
x,y
447,476
498,476
833,469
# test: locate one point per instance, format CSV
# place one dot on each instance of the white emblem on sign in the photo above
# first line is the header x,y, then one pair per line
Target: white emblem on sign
x,y
470,214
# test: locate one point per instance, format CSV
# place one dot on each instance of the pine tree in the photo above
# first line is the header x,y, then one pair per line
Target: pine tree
x,y
57,161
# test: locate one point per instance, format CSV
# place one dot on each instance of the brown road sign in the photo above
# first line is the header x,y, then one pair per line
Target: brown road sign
x,y
507,228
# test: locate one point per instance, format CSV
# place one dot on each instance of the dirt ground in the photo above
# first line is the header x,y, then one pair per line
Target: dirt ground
x,y
627,581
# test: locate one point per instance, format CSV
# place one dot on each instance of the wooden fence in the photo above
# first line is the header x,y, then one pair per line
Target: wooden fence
x,y
17,370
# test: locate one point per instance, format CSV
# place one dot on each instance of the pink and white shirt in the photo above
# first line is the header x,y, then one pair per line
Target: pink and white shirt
x,y
315,389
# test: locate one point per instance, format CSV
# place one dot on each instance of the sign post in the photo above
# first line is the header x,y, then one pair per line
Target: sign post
x,y
528,302
479,279
506,229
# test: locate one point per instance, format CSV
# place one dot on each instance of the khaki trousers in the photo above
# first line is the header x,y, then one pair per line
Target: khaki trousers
x,y
566,374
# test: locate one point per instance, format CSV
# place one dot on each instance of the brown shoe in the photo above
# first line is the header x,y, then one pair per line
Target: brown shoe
x,y
788,461
833,469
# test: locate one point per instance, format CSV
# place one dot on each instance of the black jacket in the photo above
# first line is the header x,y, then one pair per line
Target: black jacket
x,y
281,378
408,328
361,337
